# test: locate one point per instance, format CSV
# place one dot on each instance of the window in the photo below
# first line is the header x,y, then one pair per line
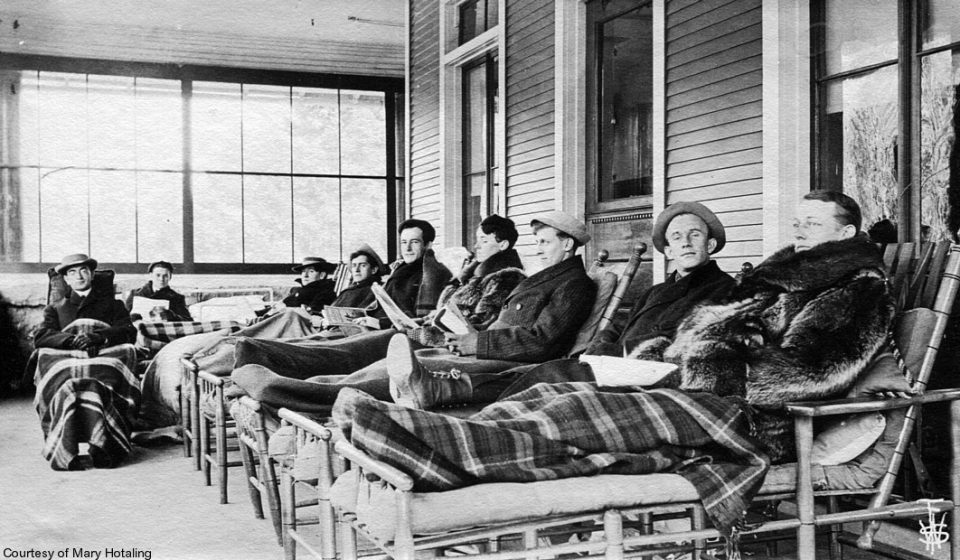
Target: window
x,y
475,17
886,111
480,107
620,111
205,170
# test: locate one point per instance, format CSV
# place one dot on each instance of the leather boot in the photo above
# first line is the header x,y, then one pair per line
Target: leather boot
x,y
413,386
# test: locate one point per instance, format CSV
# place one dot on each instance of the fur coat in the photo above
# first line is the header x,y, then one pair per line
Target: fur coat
x,y
478,292
801,326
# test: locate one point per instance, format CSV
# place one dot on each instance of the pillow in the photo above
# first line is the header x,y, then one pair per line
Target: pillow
x,y
606,284
847,438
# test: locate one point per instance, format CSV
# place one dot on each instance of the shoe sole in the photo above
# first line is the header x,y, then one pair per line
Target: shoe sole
x,y
399,369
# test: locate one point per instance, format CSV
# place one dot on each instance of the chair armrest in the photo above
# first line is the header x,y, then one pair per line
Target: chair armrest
x,y
215,380
304,423
251,403
392,476
867,404
188,363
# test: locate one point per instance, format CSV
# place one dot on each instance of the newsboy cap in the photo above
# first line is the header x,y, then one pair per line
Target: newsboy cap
x,y
714,226
75,259
565,223
316,262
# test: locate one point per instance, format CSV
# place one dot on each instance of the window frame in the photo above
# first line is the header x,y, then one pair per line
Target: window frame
x,y
392,88
909,60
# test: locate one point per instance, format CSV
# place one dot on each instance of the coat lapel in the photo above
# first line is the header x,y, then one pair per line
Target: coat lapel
x,y
548,274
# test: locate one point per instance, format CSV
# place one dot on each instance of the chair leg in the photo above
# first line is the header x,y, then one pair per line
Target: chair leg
x,y
193,401
185,425
253,479
328,531
613,529
836,549
268,478
698,521
221,423
205,448
806,532
288,508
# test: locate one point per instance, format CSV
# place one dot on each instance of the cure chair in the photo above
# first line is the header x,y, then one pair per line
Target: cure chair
x,y
376,501
312,442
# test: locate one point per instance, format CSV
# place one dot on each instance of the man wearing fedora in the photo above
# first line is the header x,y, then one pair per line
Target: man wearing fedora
x,y
316,289
84,301
539,321
688,233
158,287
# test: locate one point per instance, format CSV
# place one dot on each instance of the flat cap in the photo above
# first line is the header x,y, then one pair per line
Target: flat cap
x,y
565,223
699,210
75,259
366,249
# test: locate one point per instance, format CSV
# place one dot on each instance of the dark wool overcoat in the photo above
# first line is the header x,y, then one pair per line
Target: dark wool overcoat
x,y
178,303
99,305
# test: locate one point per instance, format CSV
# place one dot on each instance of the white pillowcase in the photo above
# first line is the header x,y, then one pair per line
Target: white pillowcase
x,y
846,439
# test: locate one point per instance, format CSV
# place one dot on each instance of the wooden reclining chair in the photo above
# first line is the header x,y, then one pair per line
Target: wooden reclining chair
x,y
405,521
308,432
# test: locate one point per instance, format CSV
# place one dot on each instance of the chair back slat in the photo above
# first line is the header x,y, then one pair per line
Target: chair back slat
x,y
928,297
341,277
899,270
622,285
918,275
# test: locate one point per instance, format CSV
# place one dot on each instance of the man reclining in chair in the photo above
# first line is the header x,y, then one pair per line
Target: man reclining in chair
x,y
803,325
86,388
537,321
688,233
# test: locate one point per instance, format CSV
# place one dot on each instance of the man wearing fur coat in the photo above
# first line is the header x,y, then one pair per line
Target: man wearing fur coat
x,y
802,325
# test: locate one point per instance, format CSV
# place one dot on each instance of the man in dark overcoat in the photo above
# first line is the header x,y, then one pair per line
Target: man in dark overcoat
x,y
84,301
539,321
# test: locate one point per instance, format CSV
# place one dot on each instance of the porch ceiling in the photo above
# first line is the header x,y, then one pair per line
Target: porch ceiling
x,y
349,36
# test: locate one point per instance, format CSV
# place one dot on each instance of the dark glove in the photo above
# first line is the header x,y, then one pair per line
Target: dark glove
x,y
88,340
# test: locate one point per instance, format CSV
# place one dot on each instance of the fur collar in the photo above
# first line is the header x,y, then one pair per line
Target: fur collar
x,y
497,262
816,268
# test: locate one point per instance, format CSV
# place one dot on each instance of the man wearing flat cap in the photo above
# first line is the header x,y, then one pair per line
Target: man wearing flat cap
x,y
84,301
539,321
316,289
688,233
158,288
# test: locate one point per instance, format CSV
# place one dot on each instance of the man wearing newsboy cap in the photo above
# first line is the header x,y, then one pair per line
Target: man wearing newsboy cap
x,y
539,321
688,233
158,288
84,300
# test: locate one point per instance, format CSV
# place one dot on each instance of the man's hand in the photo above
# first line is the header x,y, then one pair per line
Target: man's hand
x,y
319,322
88,340
369,322
462,344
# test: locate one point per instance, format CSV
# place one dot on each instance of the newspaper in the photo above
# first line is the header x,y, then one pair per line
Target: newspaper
x,y
450,319
143,306
396,315
612,371
340,315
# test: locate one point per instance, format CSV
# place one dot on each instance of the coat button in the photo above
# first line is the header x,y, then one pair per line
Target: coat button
x,y
519,306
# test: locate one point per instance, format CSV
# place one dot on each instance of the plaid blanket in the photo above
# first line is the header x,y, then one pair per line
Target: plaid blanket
x,y
569,429
154,335
87,399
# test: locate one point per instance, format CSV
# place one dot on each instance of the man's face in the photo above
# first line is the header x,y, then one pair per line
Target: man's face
x,y
688,243
79,278
412,246
817,223
160,277
311,274
551,248
360,268
487,245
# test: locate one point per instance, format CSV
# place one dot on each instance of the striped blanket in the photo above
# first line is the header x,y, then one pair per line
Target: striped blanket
x,y
154,335
86,399
570,429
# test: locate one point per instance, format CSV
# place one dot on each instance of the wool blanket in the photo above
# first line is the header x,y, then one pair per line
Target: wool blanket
x,y
564,430
87,398
154,335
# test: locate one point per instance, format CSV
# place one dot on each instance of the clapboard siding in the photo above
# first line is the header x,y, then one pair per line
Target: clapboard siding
x,y
724,42
732,144
529,103
713,162
425,196
714,118
744,95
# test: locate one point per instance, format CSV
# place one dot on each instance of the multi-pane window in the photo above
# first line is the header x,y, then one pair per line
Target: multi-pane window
x,y
886,110
134,169
480,107
476,17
